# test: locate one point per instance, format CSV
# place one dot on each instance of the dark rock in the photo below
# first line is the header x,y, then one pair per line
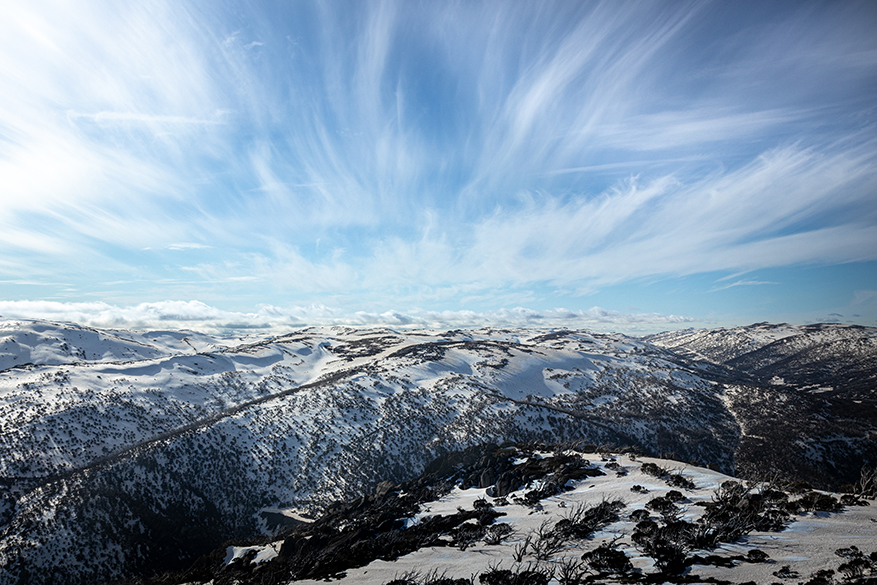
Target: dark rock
x,y
507,483
488,477
384,488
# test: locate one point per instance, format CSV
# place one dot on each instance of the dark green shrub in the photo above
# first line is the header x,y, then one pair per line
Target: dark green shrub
x,y
851,552
529,576
607,559
855,568
815,501
661,505
582,521
654,470
822,577
674,496
680,481
786,572
639,515
756,556
481,504
497,533
851,500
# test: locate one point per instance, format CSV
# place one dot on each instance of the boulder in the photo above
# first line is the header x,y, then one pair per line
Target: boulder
x,y
506,484
488,477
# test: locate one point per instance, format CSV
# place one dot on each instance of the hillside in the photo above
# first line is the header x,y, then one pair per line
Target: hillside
x,y
536,514
194,440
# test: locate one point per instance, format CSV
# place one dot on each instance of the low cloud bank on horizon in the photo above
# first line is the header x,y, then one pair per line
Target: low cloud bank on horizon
x,y
199,316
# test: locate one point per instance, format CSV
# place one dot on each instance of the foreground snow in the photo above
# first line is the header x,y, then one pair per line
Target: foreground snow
x,y
807,545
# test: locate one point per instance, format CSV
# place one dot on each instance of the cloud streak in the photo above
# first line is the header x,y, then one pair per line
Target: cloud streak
x,y
386,154
742,283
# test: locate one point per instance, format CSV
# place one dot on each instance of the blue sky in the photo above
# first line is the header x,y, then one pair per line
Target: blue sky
x,y
635,166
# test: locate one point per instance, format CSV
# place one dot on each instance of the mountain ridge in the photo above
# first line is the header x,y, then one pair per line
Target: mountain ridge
x,y
210,432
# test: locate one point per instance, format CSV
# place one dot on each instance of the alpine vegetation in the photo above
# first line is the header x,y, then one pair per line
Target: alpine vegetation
x,y
128,454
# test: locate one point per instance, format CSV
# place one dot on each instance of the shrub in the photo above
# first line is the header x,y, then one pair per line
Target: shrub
x,y
547,542
851,500
537,576
639,515
570,572
736,510
654,470
497,533
855,568
607,559
672,479
669,557
756,556
468,534
821,577
662,545
851,552
680,481
528,576
867,484
521,549
786,572
496,576
481,504
581,521
661,505
432,578
644,531
674,496
814,501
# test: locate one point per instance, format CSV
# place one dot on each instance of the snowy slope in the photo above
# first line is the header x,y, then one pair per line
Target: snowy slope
x,y
800,539
806,545
35,342
181,433
840,356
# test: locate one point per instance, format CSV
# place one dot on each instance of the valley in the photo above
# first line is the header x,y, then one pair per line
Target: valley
x,y
195,440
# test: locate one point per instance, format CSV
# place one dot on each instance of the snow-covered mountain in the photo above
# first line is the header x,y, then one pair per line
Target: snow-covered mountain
x,y
25,343
126,453
826,358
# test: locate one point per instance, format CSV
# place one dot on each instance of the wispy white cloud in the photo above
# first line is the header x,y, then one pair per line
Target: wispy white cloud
x,y
770,213
139,117
700,127
625,165
742,283
442,152
187,246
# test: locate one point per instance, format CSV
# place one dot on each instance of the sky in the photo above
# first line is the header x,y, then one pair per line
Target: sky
x,y
622,165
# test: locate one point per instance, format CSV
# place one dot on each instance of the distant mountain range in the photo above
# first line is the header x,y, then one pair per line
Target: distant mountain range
x,y
124,453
